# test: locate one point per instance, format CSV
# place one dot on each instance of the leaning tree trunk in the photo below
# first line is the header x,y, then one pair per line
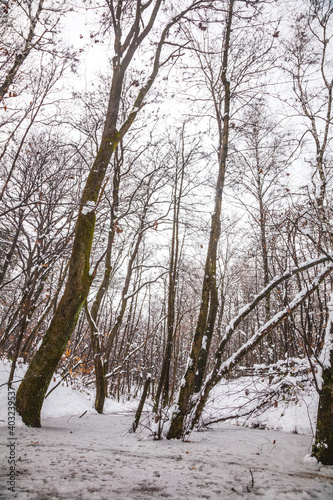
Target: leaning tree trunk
x,y
31,393
32,390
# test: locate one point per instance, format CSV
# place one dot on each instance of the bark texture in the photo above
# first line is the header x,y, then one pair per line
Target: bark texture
x,y
323,447
33,388
163,388
209,299
141,404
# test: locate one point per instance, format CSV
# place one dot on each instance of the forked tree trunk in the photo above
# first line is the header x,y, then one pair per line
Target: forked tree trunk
x,y
209,298
31,393
33,388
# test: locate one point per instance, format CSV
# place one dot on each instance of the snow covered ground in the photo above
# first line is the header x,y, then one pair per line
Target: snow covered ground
x,y
90,456
289,403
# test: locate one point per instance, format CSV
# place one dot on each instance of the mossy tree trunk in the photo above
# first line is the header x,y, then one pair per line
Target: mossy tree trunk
x,y
31,393
33,388
323,446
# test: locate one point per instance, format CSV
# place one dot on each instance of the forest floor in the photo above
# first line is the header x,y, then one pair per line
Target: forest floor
x,y
94,457
80,455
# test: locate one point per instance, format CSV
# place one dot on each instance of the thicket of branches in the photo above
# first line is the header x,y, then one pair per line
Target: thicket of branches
x,y
190,179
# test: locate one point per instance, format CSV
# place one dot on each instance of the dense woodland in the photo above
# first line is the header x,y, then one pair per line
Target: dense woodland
x,y
166,201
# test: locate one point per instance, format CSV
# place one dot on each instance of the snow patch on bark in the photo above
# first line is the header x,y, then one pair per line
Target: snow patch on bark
x,y
88,207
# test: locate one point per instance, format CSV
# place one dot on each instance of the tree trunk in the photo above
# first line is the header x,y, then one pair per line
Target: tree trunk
x,y
163,387
209,298
32,390
101,383
124,294
323,446
141,404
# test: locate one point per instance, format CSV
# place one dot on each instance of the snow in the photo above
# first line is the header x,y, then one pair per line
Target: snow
x,y
95,458
293,409
325,356
86,456
90,206
273,283
61,402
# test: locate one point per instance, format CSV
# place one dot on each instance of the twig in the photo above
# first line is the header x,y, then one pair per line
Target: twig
x,y
249,488
63,378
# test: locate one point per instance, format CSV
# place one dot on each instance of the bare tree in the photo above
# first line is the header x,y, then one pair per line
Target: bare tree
x,y
224,82
139,23
311,50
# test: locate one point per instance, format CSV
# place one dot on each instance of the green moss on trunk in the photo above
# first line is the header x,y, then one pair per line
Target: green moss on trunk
x,y
323,447
31,393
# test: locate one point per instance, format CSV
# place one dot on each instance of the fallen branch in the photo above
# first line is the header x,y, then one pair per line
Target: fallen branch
x,y
220,369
